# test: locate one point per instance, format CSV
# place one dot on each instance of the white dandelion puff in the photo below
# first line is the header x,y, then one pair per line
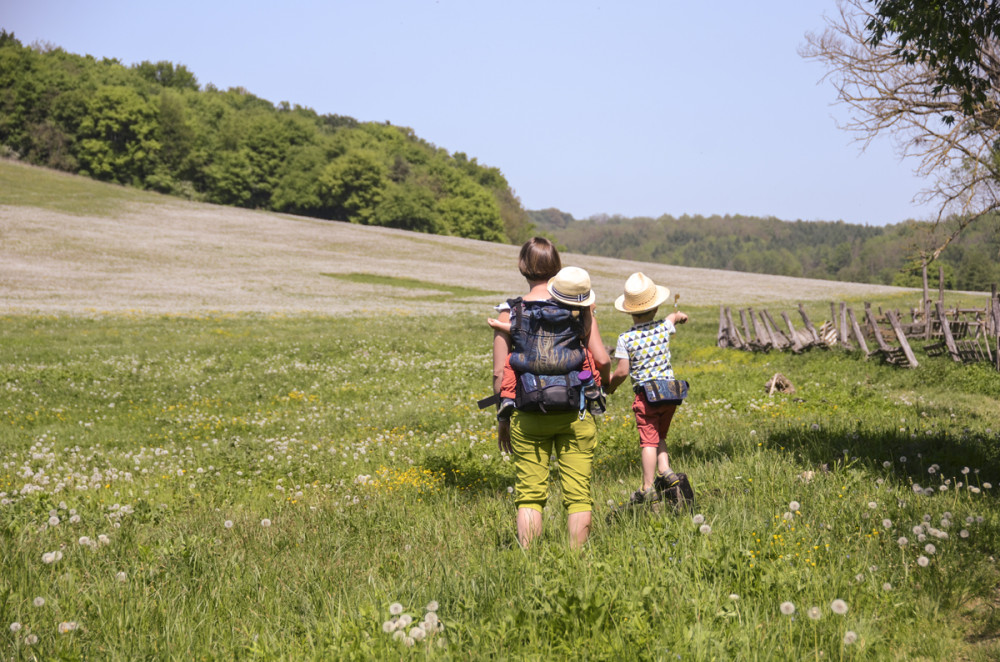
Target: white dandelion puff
x,y
787,608
48,557
122,577
405,620
734,596
228,524
887,523
31,640
850,637
53,521
84,540
887,586
872,505
395,609
794,505
839,607
417,634
705,529
432,605
265,522
964,533
389,626
922,561
39,601
814,613
67,626
930,548
15,627
698,519
902,542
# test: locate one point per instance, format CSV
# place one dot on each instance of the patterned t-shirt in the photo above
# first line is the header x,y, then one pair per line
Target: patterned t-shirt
x,y
647,348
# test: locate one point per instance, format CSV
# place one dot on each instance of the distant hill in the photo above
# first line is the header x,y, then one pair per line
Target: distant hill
x,y
152,126
887,255
77,246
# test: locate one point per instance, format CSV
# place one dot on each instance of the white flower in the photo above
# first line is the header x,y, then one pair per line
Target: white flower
x,y
787,608
793,506
405,620
389,626
103,539
872,505
814,613
965,470
409,641
67,626
698,519
398,635
705,529
15,627
887,464
39,601
839,607
902,458
850,638
887,586
922,561
74,519
432,605
988,486
417,634
887,523
48,557
31,640
395,609
734,596
963,533
84,540
122,577
265,522
53,521
228,524
930,548
788,517
902,542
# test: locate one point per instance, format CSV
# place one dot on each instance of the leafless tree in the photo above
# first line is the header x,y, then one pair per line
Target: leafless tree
x,y
954,148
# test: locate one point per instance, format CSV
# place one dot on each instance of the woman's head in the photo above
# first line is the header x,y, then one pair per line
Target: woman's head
x,y
539,260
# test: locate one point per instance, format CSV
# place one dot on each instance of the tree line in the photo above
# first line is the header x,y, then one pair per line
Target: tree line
x,y
151,125
889,255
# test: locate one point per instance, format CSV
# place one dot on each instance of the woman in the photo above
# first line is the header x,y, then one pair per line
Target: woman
x,y
533,436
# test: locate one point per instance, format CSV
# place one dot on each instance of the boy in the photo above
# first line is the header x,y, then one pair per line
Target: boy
x,y
643,352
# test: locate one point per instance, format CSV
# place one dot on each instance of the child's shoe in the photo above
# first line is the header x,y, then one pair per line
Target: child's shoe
x,y
644,496
664,482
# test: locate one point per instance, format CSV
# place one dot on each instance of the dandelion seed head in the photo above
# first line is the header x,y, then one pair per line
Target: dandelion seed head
x,y
964,533
122,577
787,608
54,521
398,635
15,627
705,529
389,626
31,640
432,606
887,586
850,637
395,609
814,613
887,523
734,596
405,620
228,524
67,626
84,540
265,522
417,633
839,607
39,601
698,519
872,505
794,505
930,548
988,486
922,561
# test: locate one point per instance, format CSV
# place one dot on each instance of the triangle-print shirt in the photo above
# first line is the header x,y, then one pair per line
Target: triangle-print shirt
x,y
647,348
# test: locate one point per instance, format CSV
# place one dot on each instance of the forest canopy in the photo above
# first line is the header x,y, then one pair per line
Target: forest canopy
x,y
151,125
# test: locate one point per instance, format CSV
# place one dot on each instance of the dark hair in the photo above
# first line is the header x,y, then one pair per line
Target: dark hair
x,y
539,259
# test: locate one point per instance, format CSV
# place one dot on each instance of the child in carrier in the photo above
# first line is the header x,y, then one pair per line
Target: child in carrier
x,y
643,353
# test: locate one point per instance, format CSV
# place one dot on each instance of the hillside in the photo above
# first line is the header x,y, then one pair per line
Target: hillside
x,y
888,255
73,245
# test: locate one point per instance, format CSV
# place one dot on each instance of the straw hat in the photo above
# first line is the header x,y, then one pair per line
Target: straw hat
x,y
571,286
641,294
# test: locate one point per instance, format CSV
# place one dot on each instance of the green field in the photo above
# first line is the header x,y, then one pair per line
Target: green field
x,y
267,487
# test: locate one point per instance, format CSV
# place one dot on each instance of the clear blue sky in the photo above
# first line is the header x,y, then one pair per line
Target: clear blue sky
x,y
619,106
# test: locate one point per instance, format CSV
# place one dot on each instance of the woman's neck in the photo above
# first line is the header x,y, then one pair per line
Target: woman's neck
x,y
537,290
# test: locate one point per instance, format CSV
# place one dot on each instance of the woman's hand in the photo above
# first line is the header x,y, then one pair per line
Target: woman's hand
x,y
503,437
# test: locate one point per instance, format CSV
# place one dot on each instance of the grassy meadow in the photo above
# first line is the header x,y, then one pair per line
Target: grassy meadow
x,y
274,487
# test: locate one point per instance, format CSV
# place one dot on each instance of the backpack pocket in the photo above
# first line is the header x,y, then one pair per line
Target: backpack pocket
x,y
548,392
665,391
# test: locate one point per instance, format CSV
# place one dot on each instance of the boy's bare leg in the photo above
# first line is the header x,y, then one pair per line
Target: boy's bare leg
x,y
662,459
529,526
579,528
649,461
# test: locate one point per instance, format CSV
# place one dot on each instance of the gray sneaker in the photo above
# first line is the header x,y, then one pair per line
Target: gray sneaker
x,y
644,496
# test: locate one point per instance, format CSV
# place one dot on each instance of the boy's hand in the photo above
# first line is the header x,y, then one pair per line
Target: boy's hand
x,y
498,325
678,317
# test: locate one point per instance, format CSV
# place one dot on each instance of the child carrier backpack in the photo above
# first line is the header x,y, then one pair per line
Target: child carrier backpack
x,y
547,354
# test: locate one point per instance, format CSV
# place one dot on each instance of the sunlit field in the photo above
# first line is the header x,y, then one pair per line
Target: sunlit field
x,y
308,487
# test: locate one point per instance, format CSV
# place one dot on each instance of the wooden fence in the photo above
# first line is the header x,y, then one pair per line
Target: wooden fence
x,y
966,334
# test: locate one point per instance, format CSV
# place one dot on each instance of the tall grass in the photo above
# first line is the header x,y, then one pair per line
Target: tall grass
x,y
268,487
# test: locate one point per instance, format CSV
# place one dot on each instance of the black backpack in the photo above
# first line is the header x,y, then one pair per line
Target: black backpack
x,y
547,354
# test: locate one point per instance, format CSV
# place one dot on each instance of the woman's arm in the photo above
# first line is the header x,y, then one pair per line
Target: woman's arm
x,y
596,346
501,349
620,375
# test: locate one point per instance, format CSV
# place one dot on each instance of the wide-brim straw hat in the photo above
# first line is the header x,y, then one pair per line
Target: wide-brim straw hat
x,y
641,295
571,286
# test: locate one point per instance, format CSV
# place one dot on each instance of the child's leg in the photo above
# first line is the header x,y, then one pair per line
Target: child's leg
x,y
663,428
649,461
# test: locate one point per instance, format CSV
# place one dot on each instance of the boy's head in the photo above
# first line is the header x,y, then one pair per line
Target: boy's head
x,y
642,296
539,260
571,286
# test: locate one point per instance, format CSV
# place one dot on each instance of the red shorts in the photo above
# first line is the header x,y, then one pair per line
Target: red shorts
x,y
652,421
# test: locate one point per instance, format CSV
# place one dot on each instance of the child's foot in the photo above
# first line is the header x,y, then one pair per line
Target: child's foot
x,y
664,482
644,496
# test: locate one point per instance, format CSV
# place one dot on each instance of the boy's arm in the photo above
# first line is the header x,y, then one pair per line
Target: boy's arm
x,y
620,374
677,317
